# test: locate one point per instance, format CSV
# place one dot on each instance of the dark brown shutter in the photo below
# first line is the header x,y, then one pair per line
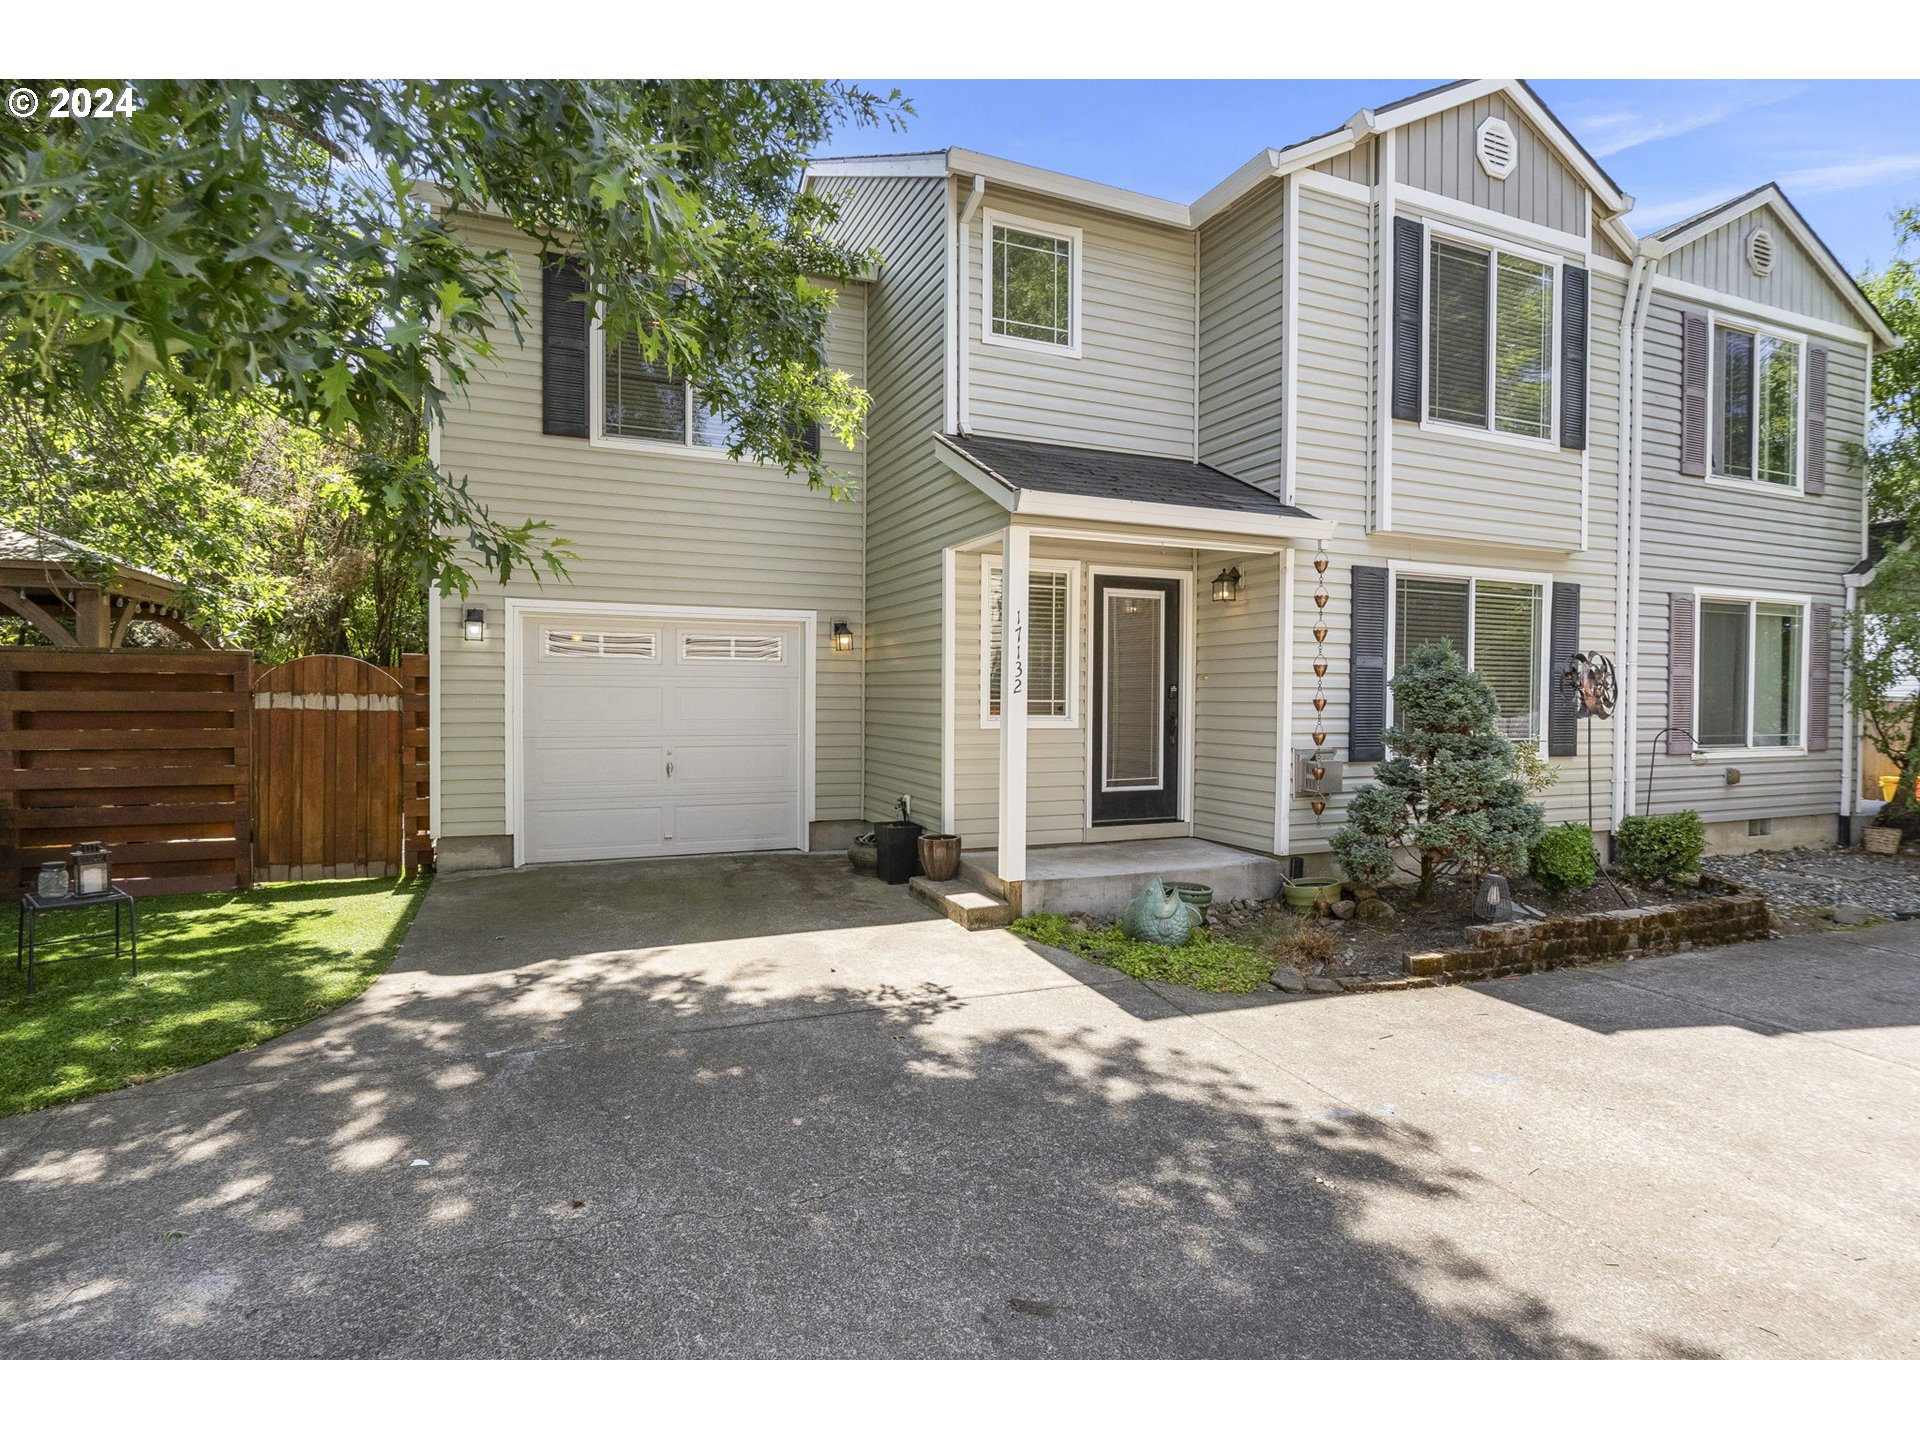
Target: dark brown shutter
x,y
1694,388
1409,243
1679,673
1573,359
1367,668
1819,676
1563,708
564,333
1816,471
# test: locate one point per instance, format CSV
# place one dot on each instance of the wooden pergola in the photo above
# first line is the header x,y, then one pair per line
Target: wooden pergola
x,y
80,598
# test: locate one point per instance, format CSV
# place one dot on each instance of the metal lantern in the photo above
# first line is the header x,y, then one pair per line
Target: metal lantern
x,y
473,625
1226,585
51,883
92,868
842,636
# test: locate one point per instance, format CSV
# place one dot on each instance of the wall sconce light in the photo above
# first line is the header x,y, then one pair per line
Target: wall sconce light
x,y
1226,585
475,627
842,637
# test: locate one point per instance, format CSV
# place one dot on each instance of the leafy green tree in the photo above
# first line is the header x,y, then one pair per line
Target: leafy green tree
x,y
1449,791
236,239
1893,449
1883,655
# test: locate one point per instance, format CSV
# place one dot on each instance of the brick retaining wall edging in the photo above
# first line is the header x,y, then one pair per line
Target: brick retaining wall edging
x,y
1520,947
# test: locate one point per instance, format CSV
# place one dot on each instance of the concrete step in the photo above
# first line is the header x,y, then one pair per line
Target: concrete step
x,y
980,876
962,902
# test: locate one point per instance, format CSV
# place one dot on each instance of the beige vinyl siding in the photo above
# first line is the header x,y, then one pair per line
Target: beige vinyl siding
x,y
1236,701
648,526
1437,154
1696,534
915,506
1242,340
1718,261
1332,429
1131,387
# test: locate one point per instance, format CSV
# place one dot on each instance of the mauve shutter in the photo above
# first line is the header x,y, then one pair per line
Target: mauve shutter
x,y
1367,669
1679,673
1573,360
1816,479
1563,708
1694,333
1819,676
564,333
1409,240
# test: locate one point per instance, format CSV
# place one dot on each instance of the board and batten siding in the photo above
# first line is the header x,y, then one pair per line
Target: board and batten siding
x,y
1718,261
1131,386
1243,341
1333,428
1437,154
1694,533
648,526
915,507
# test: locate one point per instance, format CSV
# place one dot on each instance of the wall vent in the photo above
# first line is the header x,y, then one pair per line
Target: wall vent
x,y
1760,252
768,648
1496,148
602,644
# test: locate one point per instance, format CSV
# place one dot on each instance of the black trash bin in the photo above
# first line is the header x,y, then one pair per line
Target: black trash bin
x,y
898,842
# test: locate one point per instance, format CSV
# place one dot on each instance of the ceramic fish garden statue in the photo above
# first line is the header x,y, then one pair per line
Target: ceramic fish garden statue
x,y
1159,916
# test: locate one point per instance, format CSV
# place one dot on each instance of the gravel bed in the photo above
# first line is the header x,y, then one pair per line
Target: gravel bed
x,y
1884,885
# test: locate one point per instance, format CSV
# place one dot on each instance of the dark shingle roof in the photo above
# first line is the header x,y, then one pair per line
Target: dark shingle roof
x,y
1118,475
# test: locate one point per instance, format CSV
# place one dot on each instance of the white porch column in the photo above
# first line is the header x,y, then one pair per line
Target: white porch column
x,y
1012,863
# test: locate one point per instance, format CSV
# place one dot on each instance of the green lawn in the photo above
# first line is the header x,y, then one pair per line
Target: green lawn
x,y
218,973
1204,962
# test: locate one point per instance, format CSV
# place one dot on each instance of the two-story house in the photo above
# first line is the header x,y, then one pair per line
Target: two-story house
x,y
1155,497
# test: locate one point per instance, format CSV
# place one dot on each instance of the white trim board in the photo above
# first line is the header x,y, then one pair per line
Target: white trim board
x,y
1770,314
518,610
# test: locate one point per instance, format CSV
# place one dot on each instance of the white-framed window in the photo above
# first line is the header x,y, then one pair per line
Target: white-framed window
x,y
1758,391
1031,275
1497,624
1750,667
1492,337
636,399
1053,642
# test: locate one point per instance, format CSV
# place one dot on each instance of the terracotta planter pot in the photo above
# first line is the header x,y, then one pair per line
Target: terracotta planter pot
x,y
1883,839
940,856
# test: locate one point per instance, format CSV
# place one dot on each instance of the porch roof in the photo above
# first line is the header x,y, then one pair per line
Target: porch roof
x,y
1031,477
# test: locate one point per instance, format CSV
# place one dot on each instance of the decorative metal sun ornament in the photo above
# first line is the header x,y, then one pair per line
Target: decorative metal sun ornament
x,y
1318,770
1589,677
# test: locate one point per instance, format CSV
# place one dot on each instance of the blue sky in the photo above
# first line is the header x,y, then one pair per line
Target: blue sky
x,y
1847,152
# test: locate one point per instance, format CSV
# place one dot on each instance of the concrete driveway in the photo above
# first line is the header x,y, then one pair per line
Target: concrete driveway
x,y
757,1107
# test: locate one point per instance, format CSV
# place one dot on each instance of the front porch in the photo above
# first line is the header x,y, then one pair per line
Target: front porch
x,y
1118,682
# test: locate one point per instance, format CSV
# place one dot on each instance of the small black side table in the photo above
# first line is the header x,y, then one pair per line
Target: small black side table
x,y
32,907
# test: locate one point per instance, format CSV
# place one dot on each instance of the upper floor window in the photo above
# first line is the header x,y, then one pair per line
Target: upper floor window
x,y
1756,406
1749,687
1033,285
1490,340
641,401
1496,626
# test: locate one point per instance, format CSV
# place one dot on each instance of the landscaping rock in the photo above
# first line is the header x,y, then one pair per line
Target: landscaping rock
x,y
1344,909
1374,908
1286,978
1323,985
1852,915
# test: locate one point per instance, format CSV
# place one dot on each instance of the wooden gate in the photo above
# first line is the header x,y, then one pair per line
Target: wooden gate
x,y
328,770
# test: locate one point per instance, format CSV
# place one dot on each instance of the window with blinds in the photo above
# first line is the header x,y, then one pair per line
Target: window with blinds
x,y
1049,643
1494,625
644,402
1490,340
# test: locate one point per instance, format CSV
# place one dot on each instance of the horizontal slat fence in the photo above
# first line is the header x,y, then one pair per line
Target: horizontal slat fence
x,y
147,750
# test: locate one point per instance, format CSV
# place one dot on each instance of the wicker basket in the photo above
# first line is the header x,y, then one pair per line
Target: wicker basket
x,y
1883,839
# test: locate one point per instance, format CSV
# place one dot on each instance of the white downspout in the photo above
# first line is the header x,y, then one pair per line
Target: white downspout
x,y
964,421
1651,251
1622,629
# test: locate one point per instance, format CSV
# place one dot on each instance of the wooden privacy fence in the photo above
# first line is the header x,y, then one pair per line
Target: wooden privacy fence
x,y
202,775
149,751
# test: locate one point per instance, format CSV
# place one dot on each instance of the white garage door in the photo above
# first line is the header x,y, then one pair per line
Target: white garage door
x,y
659,737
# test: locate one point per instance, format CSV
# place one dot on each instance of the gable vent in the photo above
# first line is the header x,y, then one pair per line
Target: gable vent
x,y
1760,252
1496,148
602,644
769,648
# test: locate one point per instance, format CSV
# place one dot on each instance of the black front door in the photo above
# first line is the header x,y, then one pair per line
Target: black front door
x,y
1136,699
